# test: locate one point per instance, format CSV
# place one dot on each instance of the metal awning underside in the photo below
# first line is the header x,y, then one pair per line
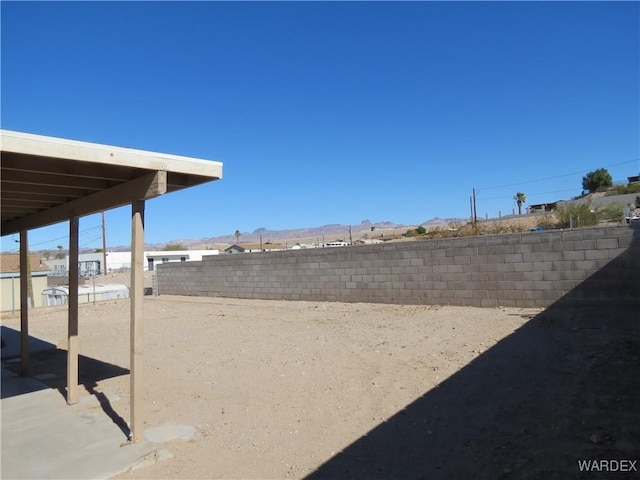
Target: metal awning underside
x,y
46,180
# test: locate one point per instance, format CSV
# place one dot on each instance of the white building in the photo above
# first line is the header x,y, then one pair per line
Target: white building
x,y
91,263
337,243
166,256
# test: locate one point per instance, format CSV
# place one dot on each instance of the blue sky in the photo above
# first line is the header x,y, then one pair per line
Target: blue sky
x,y
331,112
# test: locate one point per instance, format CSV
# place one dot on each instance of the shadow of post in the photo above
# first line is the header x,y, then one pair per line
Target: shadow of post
x,y
108,409
53,363
563,388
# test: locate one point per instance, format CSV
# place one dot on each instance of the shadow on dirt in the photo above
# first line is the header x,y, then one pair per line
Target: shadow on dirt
x,y
48,368
563,388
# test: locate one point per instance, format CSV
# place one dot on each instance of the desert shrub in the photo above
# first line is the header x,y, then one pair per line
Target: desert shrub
x,y
414,232
495,228
580,215
460,230
624,189
638,201
547,222
518,227
438,232
617,190
612,212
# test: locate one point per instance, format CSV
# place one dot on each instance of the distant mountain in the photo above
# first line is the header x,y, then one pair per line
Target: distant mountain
x,y
304,232
330,230
441,222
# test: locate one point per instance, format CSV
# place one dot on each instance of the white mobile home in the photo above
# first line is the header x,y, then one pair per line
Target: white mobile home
x,y
86,293
91,263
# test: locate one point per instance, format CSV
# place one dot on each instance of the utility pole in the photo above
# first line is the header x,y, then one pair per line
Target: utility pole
x,y
93,278
475,214
104,247
350,237
471,208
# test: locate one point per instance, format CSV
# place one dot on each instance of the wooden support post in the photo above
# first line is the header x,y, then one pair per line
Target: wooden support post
x,y
104,248
24,303
72,324
137,326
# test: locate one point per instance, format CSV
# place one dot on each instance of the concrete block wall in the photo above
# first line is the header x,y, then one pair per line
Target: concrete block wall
x,y
533,269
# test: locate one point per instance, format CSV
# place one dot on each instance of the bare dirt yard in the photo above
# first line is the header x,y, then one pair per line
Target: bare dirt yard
x,y
330,390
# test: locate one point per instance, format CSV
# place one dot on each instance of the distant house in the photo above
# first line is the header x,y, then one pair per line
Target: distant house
x,y
254,247
337,243
10,280
634,179
90,264
118,261
543,207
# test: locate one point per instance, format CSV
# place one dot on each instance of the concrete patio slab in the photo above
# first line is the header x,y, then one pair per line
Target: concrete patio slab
x,y
44,438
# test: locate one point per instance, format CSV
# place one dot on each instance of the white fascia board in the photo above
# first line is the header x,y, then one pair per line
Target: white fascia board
x,y
53,147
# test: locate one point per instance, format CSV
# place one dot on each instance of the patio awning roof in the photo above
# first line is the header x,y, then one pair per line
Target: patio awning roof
x,y
45,180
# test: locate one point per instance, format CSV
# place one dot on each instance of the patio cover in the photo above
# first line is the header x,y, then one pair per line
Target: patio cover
x,y
46,180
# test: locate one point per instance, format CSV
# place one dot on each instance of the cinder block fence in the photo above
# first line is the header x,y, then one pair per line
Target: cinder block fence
x,y
535,269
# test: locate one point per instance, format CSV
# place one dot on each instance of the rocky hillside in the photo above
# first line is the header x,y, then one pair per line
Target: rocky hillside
x,y
306,234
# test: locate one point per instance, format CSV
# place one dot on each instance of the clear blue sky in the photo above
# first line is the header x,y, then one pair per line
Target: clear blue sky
x,y
331,112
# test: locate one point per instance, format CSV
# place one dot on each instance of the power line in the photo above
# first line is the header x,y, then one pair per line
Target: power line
x,y
49,241
64,237
556,176
86,244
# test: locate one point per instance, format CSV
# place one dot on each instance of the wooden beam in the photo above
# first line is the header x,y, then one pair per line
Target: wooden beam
x,y
147,186
52,180
8,208
59,166
61,192
137,326
24,303
31,197
72,324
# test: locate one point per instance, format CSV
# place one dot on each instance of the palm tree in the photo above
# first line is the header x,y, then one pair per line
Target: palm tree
x,y
237,234
520,198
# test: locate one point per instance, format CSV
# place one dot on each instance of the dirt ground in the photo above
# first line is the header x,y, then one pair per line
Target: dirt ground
x,y
331,390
